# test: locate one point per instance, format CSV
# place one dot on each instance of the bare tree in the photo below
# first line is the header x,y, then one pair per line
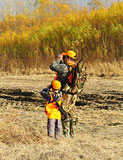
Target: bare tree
x,y
95,4
14,7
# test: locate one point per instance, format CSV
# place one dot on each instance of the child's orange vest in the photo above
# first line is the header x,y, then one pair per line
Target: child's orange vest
x,y
52,110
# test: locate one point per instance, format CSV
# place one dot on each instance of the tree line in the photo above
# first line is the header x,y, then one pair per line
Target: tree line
x,y
32,40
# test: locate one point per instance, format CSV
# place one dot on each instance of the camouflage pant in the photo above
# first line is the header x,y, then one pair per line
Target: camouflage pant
x,y
69,124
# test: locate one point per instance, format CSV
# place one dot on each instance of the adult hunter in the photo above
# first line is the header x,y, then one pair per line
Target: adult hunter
x,y
72,77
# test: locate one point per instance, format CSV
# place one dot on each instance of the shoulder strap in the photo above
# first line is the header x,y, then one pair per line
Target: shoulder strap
x,y
66,80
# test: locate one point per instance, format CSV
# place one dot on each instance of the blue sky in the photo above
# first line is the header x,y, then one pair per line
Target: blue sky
x,y
11,5
81,2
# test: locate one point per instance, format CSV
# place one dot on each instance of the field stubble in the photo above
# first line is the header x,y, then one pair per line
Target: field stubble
x,y
23,121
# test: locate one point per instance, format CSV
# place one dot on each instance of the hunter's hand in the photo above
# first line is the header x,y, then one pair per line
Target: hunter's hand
x,y
60,57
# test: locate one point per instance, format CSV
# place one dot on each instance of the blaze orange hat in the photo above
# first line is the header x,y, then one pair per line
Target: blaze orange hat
x,y
69,53
64,53
56,84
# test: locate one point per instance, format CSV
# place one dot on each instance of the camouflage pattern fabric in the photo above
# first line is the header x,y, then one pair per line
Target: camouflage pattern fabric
x,y
69,105
69,127
60,67
69,100
80,77
70,94
69,124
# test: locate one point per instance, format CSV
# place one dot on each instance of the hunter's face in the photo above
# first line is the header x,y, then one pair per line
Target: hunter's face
x,y
68,60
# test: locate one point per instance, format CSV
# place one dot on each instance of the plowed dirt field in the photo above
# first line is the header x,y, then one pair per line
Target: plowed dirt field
x,y
23,121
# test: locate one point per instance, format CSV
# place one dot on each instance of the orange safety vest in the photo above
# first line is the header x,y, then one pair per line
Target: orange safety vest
x,y
70,77
52,109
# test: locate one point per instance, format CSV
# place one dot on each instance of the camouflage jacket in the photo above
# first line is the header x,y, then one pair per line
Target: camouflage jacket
x,y
79,75
60,67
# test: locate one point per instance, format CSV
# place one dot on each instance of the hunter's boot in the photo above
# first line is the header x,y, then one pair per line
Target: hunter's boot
x,y
73,123
66,127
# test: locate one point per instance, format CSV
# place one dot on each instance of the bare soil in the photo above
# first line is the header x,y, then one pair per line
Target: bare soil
x,y
99,130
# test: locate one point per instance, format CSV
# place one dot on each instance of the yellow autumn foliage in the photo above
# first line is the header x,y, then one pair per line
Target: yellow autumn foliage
x,y
56,27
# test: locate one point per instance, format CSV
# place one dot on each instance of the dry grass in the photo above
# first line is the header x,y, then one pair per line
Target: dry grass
x,y
97,68
14,130
105,68
23,137
23,134
29,71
